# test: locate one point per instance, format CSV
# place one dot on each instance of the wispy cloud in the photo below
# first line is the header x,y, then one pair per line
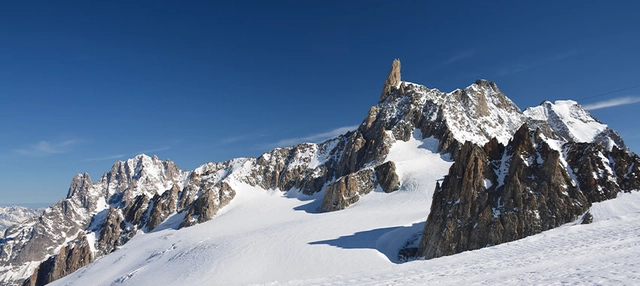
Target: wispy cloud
x,y
459,56
45,148
612,102
104,158
314,138
163,148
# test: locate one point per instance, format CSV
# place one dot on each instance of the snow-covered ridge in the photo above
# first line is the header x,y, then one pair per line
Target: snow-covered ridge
x,y
481,112
568,119
142,175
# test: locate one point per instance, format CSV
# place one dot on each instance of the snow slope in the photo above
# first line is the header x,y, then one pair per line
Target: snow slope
x,y
265,235
602,253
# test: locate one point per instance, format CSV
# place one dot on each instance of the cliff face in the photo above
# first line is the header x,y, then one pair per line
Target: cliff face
x,y
496,194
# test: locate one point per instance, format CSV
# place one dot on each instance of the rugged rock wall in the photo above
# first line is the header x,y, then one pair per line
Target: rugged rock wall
x,y
69,259
602,173
348,190
498,194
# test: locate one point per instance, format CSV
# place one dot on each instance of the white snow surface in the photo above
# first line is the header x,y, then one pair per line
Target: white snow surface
x,y
567,118
297,248
266,235
604,252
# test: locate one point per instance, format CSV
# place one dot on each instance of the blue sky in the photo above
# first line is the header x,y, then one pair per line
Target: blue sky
x,y
86,83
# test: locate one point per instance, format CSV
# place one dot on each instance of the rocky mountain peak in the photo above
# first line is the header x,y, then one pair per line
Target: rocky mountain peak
x,y
80,183
141,175
567,121
392,81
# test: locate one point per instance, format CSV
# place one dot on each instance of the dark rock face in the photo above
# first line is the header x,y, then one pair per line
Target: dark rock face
x,y
134,212
387,177
498,194
109,233
602,174
69,259
163,206
208,204
348,190
587,218
80,188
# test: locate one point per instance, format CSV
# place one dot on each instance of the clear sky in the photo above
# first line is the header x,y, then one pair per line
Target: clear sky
x,y
86,83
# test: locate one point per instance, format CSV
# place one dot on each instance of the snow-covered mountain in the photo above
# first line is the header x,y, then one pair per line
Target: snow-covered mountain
x,y
427,173
15,215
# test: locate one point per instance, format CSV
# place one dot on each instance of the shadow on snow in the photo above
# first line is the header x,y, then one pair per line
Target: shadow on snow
x,y
393,242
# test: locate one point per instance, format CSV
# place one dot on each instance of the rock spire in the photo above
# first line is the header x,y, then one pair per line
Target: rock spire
x,y
393,80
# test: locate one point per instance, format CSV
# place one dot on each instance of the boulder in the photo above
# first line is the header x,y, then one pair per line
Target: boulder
x,y
387,177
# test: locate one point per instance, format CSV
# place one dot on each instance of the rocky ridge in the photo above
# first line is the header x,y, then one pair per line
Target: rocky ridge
x,y
495,193
141,193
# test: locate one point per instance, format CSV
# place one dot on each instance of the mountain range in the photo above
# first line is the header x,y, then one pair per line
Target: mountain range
x,y
15,215
426,174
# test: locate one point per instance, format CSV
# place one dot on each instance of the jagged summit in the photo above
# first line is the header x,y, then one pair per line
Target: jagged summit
x,y
481,111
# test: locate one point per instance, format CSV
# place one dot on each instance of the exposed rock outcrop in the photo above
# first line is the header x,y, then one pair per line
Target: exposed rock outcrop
x,y
600,173
208,204
348,190
387,177
163,206
69,259
109,234
498,194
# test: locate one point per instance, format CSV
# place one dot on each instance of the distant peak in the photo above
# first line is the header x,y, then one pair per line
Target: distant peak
x,y
392,81
141,156
487,83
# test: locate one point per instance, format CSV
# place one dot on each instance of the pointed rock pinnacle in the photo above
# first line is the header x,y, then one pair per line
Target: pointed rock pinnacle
x,y
393,79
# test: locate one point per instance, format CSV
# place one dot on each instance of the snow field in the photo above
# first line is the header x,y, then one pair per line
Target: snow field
x,y
602,253
264,236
